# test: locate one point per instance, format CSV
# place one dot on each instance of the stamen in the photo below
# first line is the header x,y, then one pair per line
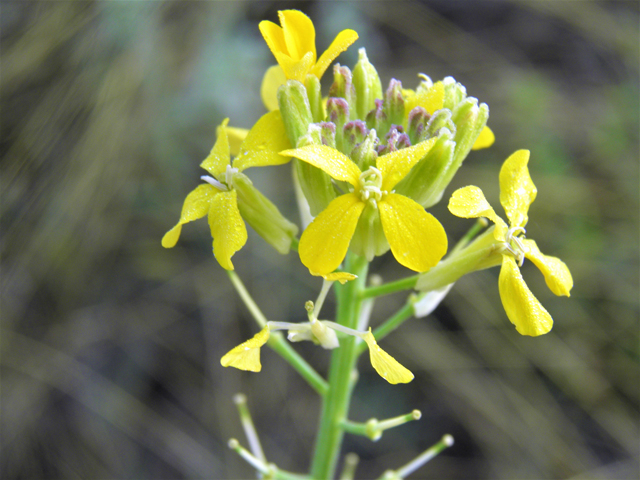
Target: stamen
x,y
228,174
215,183
518,250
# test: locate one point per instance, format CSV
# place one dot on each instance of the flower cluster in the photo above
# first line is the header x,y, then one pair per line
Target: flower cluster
x,y
367,162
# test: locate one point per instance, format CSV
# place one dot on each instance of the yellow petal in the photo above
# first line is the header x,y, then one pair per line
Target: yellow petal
x,y
295,69
342,277
342,41
195,206
431,100
246,356
335,163
299,34
517,191
386,366
236,137
416,238
523,309
273,78
274,36
219,157
324,243
484,140
470,202
396,165
227,227
265,139
556,273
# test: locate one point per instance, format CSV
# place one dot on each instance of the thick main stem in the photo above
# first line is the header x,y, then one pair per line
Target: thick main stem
x,y
335,405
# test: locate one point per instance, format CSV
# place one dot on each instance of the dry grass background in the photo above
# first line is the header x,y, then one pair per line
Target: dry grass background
x,y
111,344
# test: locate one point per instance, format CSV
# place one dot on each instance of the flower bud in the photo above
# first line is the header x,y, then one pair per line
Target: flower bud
x,y
377,118
469,119
312,84
295,109
353,133
428,178
454,93
439,120
364,154
395,139
342,87
416,124
394,104
367,84
263,216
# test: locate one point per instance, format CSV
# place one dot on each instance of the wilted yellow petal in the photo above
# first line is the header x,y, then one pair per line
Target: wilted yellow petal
x,y
523,309
431,100
273,78
335,163
342,41
195,206
396,165
324,243
484,140
386,366
236,137
299,34
227,227
265,139
416,238
556,273
246,356
470,202
517,191
219,157
342,277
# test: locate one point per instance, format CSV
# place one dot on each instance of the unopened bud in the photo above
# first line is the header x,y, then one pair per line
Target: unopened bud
x,y
394,103
263,216
295,109
367,84
342,87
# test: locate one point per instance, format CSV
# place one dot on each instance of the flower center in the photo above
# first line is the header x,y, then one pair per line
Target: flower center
x,y
513,244
370,182
228,179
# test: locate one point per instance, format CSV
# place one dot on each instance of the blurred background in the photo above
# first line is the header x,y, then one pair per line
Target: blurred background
x,y
110,344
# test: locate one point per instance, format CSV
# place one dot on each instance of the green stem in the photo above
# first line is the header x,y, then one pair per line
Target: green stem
x,y
335,404
391,287
277,343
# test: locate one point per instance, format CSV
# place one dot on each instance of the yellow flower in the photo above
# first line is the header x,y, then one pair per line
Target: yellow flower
x,y
517,192
293,45
217,198
416,238
246,356
386,366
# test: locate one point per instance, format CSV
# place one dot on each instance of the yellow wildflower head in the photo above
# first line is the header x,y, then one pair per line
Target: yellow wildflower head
x,y
416,238
227,191
517,192
293,43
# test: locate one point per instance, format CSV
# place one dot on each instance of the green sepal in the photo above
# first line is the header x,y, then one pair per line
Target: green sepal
x,y
263,216
315,184
469,119
393,105
367,85
312,84
295,109
480,254
342,87
429,177
369,239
